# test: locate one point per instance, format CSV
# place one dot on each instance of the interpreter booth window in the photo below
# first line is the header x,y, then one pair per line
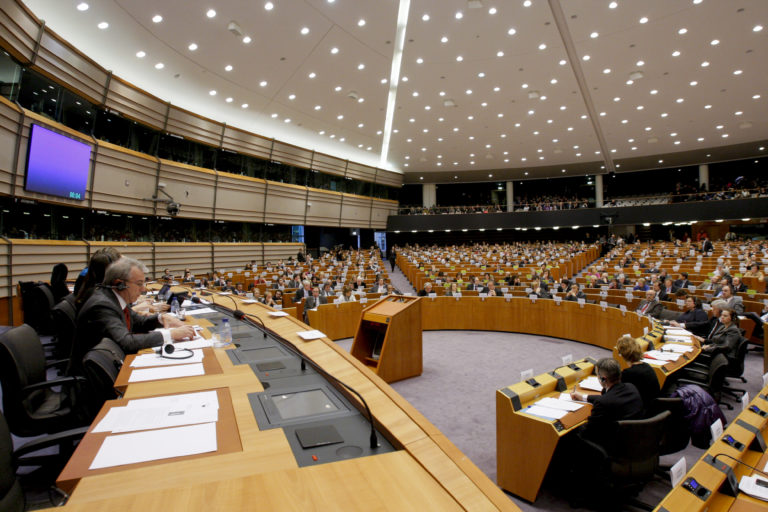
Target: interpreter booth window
x,y
10,77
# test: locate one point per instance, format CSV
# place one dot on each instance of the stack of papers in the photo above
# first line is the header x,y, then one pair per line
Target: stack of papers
x,y
557,403
167,372
201,311
310,335
662,356
676,331
278,313
197,342
676,347
591,383
161,412
149,360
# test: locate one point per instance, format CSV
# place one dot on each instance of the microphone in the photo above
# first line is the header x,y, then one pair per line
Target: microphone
x,y
374,441
714,459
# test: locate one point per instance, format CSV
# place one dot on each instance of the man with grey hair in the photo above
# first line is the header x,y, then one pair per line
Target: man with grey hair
x,y
108,314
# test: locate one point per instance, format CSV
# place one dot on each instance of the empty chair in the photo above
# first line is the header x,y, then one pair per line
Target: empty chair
x,y
30,405
64,320
37,301
100,366
711,380
11,495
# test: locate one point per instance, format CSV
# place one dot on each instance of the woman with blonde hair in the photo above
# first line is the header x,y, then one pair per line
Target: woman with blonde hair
x,y
639,373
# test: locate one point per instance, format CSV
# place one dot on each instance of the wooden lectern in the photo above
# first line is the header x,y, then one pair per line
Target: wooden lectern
x,y
388,338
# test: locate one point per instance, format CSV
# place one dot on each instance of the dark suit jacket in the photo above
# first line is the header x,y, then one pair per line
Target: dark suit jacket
x,y
725,340
654,310
621,402
312,303
644,379
101,317
695,315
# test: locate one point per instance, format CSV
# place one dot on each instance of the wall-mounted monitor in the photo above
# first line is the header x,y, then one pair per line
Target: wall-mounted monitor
x,y
57,165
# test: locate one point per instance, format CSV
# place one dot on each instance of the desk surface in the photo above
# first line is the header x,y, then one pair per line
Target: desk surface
x,y
428,472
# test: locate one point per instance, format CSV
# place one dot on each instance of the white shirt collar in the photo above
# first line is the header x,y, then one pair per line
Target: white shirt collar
x,y
120,299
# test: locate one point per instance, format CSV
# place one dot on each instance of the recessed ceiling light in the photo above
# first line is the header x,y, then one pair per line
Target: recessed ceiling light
x,y
664,114
103,25
676,53
737,72
361,22
228,67
274,116
291,97
715,42
707,107
527,3
700,139
159,65
312,75
304,31
624,121
211,13
562,62
361,67
404,79
340,117
725,135
444,39
705,64
244,105
542,46
82,6
192,47
757,28
157,18
616,99
585,58
141,54
643,20
640,107
511,31
553,81
334,50
425,17
212,92
640,63
247,39
459,15
269,6
654,91
459,58
481,75
492,10
263,83
606,71
682,31
594,35
693,83
756,97
229,100
613,5
499,53
318,107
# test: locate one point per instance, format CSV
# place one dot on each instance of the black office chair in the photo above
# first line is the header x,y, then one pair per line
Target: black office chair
x,y
12,497
64,320
633,461
100,366
736,369
29,402
37,301
677,430
712,380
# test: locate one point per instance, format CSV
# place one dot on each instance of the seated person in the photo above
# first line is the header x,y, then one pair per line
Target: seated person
x,y
733,302
426,290
189,277
315,299
269,300
650,305
641,285
391,290
359,284
540,289
723,339
491,289
692,312
575,293
167,276
278,297
106,314
239,289
379,287
738,285
475,285
638,373
228,286
453,290
346,295
682,281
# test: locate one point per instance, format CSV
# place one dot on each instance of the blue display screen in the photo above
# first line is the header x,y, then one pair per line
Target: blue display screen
x,y
57,165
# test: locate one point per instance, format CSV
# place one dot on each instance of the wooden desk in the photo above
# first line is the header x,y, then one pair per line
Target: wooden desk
x,y
525,443
337,321
426,472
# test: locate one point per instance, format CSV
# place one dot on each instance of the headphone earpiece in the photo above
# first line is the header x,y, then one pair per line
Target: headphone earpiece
x,y
120,285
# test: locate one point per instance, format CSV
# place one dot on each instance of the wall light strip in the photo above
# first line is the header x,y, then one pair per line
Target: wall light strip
x,y
394,76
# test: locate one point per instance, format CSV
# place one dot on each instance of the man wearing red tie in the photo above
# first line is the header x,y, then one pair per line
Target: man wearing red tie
x,y
108,314
650,305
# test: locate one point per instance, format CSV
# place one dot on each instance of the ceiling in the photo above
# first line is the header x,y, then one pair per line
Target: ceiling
x,y
538,88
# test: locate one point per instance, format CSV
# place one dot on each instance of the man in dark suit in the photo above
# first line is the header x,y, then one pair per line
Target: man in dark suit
x,y
304,291
650,305
682,280
738,285
426,291
107,314
706,245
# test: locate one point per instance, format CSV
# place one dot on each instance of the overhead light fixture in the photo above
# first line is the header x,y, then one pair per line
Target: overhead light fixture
x,y
636,75
449,103
475,4
533,95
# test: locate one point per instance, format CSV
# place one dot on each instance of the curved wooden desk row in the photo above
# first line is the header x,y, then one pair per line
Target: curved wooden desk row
x,y
744,429
427,473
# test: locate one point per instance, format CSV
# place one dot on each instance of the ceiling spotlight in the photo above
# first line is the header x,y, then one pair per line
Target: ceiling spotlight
x,y
235,29
157,18
82,6
211,13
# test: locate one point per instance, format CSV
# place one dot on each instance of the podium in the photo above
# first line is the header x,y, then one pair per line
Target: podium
x,y
388,338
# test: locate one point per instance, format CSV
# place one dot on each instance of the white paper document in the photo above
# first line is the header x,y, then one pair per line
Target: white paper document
x,y
676,331
201,311
754,485
654,362
310,335
197,342
278,313
545,412
167,372
591,383
676,347
155,445
149,360
161,412
662,356
250,301
556,403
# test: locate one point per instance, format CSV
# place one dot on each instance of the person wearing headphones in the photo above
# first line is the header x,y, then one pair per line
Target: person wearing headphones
x,y
107,314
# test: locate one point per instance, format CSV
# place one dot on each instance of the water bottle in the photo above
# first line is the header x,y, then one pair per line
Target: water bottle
x,y
175,307
225,333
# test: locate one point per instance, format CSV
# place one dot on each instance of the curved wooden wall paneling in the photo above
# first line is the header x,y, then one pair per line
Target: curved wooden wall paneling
x,y
18,31
11,122
123,180
240,198
192,187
